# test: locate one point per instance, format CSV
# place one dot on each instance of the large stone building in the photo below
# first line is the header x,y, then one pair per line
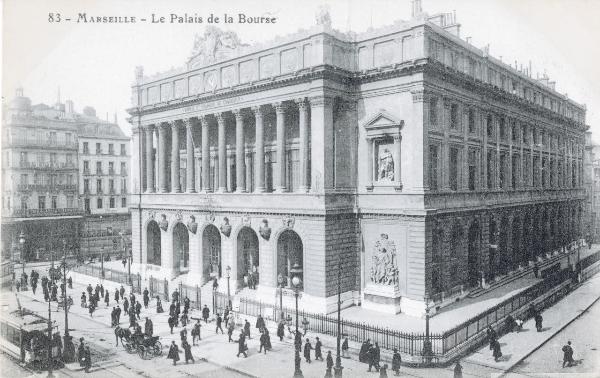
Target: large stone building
x,y
39,178
46,192
404,156
592,187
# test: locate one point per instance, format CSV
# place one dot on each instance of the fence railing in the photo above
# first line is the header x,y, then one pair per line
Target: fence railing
x,y
111,275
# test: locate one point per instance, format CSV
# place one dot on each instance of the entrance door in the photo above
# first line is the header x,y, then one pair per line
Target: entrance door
x,y
215,259
473,255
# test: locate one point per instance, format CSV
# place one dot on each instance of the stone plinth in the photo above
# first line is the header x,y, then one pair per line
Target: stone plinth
x,y
383,298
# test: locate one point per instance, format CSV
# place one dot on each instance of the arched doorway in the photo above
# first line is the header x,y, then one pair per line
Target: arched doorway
x,y
472,254
181,247
153,252
289,253
247,256
211,252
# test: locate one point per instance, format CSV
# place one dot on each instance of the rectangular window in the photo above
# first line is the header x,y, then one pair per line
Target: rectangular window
x,y
123,202
552,165
86,204
111,185
514,131
453,179
86,148
433,167
503,168
536,171
123,150
433,112
86,185
472,129
489,125
490,169
54,202
544,172
502,127
23,203
515,171
472,168
98,167
454,117
112,202
111,168
98,149
99,203
525,133
70,202
41,202
111,149
24,179
99,186
527,170
123,169
86,167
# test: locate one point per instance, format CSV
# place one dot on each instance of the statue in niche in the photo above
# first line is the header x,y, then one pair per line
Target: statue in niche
x,y
226,227
383,266
192,225
386,165
265,230
164,223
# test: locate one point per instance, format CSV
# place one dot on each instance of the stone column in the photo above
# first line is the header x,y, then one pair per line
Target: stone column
x,y
175,186
321,139
190,177
149,158
280,111
370,165
240,175
222,187
205,156
303,126
398,161
259,155
157,160
162,157
248,156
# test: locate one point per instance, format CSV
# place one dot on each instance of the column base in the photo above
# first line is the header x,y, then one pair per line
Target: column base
x,y
176,191
205,191
164,190
222,190
303,189
280,190
260,190
240,191
191,191
149,191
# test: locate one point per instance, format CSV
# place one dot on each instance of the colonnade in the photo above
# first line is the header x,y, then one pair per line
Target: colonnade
x,y
162,170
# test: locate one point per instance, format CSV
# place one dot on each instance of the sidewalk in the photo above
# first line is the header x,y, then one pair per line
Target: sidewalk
x,y
517,346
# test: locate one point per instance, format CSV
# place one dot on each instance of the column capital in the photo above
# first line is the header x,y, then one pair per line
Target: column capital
x,y
203,120
164,126
302,103
220,118
238,114
187,122
175,124
279,106
321,100
257,110
149,127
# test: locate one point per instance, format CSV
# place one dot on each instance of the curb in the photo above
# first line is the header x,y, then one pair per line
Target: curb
x,y
507,370
226,367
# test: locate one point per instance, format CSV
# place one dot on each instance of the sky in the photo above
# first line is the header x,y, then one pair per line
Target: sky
x,y
93,64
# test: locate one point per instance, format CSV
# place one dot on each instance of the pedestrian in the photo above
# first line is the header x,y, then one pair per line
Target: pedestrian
x,y
146,298
396,361
318,353
219,321
263,342
497,353
509,323
148,327
122,292
171,322
159,307
567,355
345,347
375,357
383,371
205,313
242,346
89,289
305,326
183,334
175,296
117,295
280,330
184,319
186,304
113,317
81,353
230,329
364,351
88,359
491,334
458,370
307,349
138,309
329,360
70,282
83,299
107,299
226,316
101,290
187,351
125,306
538,322
196,332
247,329
132,320
173,353
172,309
91,309
260,323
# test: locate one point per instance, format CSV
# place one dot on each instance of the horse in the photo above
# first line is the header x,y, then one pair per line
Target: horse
x,y
121,333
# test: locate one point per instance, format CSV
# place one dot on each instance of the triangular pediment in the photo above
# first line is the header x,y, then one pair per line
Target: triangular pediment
x,y
384,122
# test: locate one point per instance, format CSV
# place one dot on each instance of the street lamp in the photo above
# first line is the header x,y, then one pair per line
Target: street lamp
x,y
69,348
50,375
228,273
280,282
337,370
427,349
296,282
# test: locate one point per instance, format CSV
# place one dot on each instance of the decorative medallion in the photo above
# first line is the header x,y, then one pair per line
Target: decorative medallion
x,y
226,227
178,215
246,220
192,225
288,222
152,214
164,223
265,230
210,217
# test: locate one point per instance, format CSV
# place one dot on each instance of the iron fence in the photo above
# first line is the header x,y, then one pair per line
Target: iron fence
x,y
111,275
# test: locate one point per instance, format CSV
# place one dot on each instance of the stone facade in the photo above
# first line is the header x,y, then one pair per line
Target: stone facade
x,y
403,156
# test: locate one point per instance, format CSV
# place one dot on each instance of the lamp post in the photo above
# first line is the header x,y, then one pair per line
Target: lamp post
x,y
280,282
228,273
296,282
50,375
69,348
22,247
337,369
427,349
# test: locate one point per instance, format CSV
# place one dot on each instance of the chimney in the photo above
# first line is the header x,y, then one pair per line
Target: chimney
x,y
19,92
69,107
469,40
417,8
139,74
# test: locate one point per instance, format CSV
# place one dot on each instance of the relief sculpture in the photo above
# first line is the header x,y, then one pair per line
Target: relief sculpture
x,y
383,266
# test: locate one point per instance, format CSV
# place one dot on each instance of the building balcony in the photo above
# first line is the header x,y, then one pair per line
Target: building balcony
x,y
46,165
35,143
46,187
31,213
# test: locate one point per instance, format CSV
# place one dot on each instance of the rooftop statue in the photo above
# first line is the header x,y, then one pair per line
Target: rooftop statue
x,y
213,46
323,17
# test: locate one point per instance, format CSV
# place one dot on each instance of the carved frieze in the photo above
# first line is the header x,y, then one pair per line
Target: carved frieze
x,y
383,262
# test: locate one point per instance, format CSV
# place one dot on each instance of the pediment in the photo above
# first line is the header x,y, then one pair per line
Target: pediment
x,y
383,123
